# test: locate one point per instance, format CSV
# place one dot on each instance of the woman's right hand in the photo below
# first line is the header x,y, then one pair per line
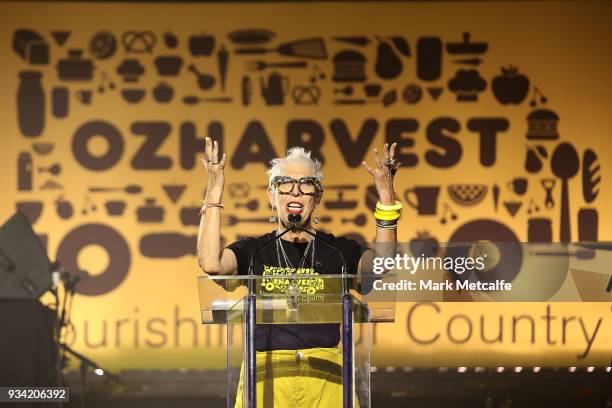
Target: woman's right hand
x,y
212,257
213,166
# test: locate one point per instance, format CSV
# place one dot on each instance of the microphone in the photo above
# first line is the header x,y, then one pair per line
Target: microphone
x,y
294,220
70,280
59,274
273,239
56,275
79,276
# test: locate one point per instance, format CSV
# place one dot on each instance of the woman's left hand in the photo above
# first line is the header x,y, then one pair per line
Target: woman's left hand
x,y
383,173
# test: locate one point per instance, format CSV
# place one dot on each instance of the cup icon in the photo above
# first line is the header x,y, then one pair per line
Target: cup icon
x,y
84,96
518,185
372,90
426,202
539,230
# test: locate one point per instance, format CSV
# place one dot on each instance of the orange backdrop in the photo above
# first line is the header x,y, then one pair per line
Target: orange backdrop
x,y
479,96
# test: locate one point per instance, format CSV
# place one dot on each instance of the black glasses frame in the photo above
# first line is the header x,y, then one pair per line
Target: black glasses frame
x,y
286,179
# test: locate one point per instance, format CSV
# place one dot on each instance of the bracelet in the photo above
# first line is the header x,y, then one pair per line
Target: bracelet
x,y
392,225
395,207
386,215
206,205
389,216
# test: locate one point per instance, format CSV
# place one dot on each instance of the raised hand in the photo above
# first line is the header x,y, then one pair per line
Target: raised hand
x,y
383,173
213,166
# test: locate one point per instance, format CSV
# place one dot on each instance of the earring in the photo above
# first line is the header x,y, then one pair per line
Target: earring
x,y
316,217
273,218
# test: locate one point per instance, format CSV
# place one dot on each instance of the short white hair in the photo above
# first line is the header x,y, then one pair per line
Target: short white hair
x,y
295,155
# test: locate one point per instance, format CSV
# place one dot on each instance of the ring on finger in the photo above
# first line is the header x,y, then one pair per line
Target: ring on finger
x,y
391,163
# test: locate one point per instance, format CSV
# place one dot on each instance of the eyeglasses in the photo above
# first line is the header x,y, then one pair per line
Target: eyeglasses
x,y
306,185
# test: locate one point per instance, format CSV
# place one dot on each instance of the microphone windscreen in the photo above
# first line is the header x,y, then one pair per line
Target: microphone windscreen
x,y
294,218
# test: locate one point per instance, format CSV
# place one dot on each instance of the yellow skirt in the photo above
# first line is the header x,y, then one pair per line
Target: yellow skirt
x,y
307,378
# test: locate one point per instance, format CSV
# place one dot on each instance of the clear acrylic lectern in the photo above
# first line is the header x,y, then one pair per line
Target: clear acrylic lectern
x,y
242,302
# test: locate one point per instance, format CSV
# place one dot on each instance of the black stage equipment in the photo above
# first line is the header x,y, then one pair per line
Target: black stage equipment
x,y
25,269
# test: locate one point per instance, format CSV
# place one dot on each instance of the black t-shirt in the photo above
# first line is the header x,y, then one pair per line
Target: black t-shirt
x,y
266,262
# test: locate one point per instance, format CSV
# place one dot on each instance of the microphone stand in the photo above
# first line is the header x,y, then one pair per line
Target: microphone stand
x,y
347,327
347,320
294,219
326,241
250,311
62,319
85,364
60,323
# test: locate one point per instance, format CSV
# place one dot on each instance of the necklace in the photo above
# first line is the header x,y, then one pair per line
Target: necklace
x,y
280,248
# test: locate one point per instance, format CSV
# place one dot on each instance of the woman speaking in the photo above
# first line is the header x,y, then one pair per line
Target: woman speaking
x,y
305,359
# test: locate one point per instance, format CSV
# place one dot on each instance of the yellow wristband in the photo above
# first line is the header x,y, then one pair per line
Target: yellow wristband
x,y
395,207
386,215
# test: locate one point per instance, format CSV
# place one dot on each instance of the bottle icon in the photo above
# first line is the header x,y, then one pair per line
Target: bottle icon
x,y
31,103
24,171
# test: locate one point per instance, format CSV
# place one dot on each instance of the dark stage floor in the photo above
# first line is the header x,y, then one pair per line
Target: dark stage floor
x,y
390,388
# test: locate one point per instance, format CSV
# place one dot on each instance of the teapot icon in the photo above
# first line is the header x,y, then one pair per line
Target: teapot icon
x,y
275,90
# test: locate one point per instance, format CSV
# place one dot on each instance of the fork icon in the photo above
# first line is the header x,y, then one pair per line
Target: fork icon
x,y
260,65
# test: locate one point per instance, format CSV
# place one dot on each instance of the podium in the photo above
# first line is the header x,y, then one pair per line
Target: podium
x,y
244,303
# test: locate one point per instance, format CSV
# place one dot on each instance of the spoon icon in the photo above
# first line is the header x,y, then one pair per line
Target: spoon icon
x,y
564,164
